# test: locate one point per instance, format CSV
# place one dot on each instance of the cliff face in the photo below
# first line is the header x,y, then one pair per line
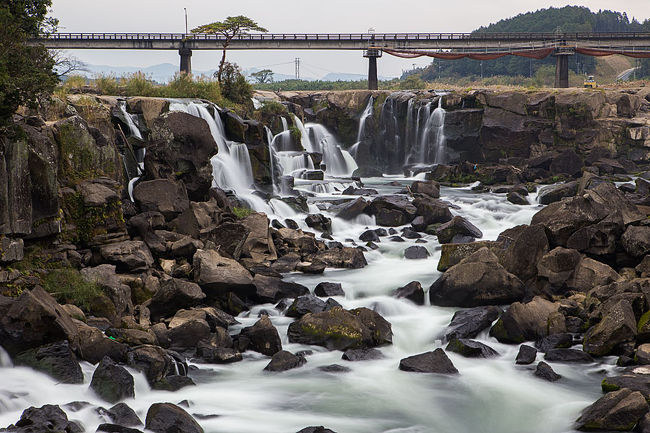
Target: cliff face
x,y
485,126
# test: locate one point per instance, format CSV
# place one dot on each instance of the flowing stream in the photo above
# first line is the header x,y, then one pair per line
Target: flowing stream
x,y
489,395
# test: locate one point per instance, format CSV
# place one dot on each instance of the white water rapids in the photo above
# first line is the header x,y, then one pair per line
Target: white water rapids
x,y
488,396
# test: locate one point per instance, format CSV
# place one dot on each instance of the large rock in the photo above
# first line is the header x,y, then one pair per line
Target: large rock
x,y
452,254
153,361
217,274
32,320
617,327
283,361
258,244
48,418
524,247
413,291
615,411
471,348
169,418
119,294
524,322
112,382
458,226
558,265
636,240
352,209
392,210
127,255
161,195
174,294
328,289
346,257
272,289
429,187
429,362
339,329
432,211
306,304
262,337
554,193
181,149
469,323
591,273
56,359
94,345
477,280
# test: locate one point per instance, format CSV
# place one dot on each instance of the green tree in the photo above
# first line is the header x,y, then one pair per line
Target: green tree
x,y
229,28
263,76
234,85
26,71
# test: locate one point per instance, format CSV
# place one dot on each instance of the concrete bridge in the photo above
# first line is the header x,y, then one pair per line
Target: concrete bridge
x,y
442,45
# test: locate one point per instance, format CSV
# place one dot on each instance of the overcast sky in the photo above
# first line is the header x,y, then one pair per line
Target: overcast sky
x,y
294,16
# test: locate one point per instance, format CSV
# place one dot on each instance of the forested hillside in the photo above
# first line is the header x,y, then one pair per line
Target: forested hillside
x,y
566,19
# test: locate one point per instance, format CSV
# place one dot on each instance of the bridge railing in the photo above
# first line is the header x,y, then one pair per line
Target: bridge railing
x,y
346,36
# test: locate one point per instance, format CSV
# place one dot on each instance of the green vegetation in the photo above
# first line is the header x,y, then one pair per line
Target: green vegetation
x,y
273,108
295,133
241,212
234,85
69,287
26,72
263,76
228,28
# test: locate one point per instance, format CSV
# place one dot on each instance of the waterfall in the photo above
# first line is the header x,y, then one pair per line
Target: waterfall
x,y
293,162
432,143
304,137
338,162
364,116
128,118
423,137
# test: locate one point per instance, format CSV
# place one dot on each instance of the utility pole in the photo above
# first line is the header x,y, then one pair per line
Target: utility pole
x,y
481,69
297,63
185,9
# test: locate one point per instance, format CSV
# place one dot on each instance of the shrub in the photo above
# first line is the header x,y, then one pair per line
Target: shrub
x,y
69,287
137,84
187,86
106,84
234,85
273,108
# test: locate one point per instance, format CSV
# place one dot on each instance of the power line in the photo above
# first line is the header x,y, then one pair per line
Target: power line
x,y
297,61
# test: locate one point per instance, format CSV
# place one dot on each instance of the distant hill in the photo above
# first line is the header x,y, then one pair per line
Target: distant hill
x,y
565,19
160,73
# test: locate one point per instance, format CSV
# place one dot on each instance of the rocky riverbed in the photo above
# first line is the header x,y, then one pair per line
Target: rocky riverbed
x,y
145,287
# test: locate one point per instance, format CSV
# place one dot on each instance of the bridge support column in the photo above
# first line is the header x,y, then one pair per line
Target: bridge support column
x,y
562,67
186,60
372,54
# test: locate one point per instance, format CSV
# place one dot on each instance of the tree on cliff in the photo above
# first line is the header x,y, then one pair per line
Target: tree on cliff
x,y
229,28
26,72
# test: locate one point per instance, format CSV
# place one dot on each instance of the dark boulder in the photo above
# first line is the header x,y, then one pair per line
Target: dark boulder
x,y
153,361
470,348
526,355
174,294
429,362
347,257
127,256
555,341
568,162
568,356
523,247
617,327
123,415
615,411
305,304
413,291
161,195
272,289
56,360
516,198
48,418
362,355
353,209
173,383
524,322
339,329
392,210
262,337
416,252
636,240
369,236
477,280
544,371
457,226
283,361
554,193
32,320
169,418
329,289
319,429
432,211
429,187
112,382
217,274
469,323
115,428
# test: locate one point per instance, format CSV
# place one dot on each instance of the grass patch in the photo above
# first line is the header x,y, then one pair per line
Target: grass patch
x,y
241,212
69,287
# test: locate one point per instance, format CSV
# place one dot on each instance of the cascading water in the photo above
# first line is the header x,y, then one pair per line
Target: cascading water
x,y
133,128
338,162
438,129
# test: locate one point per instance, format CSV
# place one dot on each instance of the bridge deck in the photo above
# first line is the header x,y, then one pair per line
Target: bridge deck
x,y
343,41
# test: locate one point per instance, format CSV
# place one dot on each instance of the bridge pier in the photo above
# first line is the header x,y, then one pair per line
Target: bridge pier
x,y
186,60
562,67
372,54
